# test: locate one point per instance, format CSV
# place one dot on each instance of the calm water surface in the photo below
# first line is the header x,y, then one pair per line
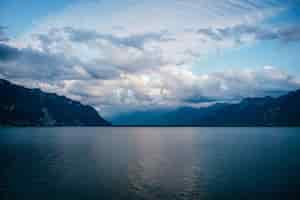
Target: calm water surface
x,y
149,163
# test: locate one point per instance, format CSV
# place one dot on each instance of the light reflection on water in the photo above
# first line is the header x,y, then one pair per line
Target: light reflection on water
x,y
149,163
163,165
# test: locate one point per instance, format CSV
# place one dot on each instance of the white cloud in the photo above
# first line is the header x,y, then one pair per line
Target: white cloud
x,y
141,20
139,54
172,87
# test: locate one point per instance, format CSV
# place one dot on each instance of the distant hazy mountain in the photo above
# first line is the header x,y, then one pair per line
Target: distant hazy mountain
x,y
265,111
21,106
140,118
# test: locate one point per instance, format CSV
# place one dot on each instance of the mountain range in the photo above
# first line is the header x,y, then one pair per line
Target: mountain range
x,y
262,111
20,106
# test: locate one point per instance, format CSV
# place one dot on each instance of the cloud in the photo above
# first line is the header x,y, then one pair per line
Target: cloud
x,y
68,54
154,24
124,54
37,65
3,37
136,40
27,63
146,16
142,55
172,87
115,77
289,34
239,33
145,36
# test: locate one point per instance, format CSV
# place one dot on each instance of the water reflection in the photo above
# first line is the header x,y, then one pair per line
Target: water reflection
x,y
164,167
149,163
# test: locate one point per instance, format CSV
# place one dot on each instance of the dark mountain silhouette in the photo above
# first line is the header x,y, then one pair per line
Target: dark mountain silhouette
x,y
21,106
264,111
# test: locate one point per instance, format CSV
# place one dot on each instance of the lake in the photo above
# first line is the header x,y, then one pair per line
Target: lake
x,y
149,163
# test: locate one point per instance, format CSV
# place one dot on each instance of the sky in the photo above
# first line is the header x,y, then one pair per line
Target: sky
x,y
129,55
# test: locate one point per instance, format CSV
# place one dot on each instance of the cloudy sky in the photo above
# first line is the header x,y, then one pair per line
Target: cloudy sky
x,y
128,55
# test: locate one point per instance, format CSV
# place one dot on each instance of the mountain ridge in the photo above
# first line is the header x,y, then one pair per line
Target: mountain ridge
x,y
20,106
257,111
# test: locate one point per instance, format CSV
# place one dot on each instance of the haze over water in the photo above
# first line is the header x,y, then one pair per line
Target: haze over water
x,y
149,163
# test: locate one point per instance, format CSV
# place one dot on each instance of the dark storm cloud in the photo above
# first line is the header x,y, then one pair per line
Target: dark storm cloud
x,y
286,34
